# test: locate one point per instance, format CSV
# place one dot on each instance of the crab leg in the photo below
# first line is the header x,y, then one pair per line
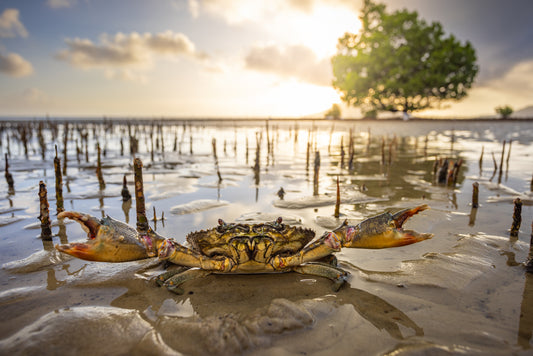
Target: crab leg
x,y
337,275
160,280
381,231
174,282
324,246
174,252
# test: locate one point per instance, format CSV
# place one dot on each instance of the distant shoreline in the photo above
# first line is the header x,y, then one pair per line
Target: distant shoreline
x,y
168,120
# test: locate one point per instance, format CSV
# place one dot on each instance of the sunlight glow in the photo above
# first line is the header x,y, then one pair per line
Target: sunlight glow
x,y
320,31
295,99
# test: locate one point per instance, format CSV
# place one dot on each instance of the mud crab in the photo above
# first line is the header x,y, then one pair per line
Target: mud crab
x,y
240,248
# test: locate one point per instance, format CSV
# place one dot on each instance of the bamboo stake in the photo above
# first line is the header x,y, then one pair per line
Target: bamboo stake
x,y
44,217
9,177
142,221
338,201
99,173
517,217
125,192
495,166
342,152
59,183
442,173
214,144
509,152
351,151
481,160
501,163
65,142
41,140
475,195
308,152
455,172
281,193
316,173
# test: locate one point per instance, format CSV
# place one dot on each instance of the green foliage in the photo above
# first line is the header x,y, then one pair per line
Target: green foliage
x,y
504,111
398,62
370,114
334,112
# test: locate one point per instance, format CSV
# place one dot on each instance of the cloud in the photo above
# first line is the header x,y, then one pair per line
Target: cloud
x,y
172,44
295,61
34,96
10,25
303,5
238,11
194,8
514,87
127,75
317,24
127,50
14,65
26,101
56,4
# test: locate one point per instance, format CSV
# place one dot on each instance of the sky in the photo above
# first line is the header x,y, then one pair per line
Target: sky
x,y
229,58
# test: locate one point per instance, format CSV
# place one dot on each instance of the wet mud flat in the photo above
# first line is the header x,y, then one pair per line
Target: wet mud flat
x,y
463,291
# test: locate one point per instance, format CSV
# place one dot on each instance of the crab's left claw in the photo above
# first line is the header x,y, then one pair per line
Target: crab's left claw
x,y
109,240
382,231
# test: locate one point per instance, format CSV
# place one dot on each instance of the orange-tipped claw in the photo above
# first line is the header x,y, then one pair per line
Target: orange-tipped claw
x,y
109,240
382,231
401,216
79,250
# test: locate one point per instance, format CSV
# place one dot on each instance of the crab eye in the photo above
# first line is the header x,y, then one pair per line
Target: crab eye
x,y
279,220
221,222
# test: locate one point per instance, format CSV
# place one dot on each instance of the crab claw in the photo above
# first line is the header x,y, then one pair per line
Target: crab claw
x,y
109,240
382,231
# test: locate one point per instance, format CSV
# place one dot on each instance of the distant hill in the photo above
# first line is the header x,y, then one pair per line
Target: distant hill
x,y
351,112
522,113
347,112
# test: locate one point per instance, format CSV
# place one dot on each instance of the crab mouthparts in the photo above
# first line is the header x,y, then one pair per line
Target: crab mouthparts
x,y
89,224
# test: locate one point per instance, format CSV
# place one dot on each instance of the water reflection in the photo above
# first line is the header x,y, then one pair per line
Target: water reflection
x,y
219,298
472,219
525,325
62,233
126,207
101,203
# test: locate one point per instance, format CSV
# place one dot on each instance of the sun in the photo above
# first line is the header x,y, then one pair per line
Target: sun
x,y
296,99
321,30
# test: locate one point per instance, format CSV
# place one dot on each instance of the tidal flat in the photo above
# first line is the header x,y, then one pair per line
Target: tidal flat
x,y
466,290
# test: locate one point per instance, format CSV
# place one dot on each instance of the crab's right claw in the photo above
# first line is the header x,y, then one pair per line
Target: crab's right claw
x,y
382,231
109,240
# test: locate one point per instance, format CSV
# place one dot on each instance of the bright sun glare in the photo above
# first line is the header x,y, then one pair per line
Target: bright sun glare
x,y
321,31
301,99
